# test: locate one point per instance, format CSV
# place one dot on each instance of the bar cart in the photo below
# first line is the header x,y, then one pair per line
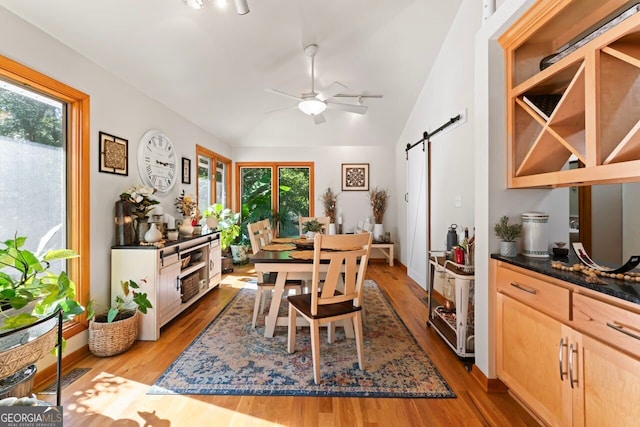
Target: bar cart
x,y
451,312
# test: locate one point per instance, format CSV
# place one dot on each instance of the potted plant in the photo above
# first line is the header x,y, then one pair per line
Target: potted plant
x,y
115,330
508,233
278,218
29,292
311,227
229,228
378,198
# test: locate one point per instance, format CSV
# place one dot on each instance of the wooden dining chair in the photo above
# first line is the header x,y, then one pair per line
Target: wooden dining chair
x,y
324,220
260,235
348,257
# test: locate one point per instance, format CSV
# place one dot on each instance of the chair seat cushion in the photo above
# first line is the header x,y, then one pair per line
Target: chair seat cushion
x,y
302,303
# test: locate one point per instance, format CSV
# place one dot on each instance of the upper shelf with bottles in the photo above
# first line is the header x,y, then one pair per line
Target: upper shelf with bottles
x,y
573,92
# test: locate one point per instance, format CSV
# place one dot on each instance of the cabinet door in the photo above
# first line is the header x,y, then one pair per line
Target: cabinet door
x,y
608,384
215,264
169,292
529,351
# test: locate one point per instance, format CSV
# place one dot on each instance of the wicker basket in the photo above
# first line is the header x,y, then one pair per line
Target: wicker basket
x,y
190,286
17,358
109,339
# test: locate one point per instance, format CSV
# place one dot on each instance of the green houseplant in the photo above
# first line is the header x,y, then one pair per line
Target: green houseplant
x,y
508,233
30,291
115,330
311,227
229,228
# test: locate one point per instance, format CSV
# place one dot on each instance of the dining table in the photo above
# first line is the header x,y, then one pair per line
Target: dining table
x,y
286,268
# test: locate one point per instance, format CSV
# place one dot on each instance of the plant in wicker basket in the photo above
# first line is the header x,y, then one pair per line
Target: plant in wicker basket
x,y
114,331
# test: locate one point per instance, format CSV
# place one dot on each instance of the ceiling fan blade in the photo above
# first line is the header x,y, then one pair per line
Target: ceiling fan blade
x,y
331,91
279,92
318,118
281,109
352,108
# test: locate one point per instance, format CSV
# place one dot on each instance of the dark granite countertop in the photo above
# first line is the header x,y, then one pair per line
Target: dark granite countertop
x,y
629,291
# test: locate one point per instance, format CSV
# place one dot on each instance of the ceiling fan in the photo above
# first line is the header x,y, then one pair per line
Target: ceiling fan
x,y
314,103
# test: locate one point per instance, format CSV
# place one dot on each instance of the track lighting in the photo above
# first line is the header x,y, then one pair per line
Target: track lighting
x,y
242,7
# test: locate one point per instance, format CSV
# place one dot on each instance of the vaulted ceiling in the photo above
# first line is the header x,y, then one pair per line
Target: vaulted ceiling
x,y
212,66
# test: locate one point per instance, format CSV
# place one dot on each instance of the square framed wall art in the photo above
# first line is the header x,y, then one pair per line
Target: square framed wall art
x,y
114,154
186,170
355,177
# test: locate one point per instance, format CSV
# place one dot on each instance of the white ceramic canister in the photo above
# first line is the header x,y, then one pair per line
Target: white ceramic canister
x,y
535,234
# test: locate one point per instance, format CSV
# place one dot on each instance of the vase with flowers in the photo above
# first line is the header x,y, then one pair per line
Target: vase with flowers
x,y
329,204
186,206
378,198
142,202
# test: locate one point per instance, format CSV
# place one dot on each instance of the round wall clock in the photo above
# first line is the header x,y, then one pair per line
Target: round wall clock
x,y
157,161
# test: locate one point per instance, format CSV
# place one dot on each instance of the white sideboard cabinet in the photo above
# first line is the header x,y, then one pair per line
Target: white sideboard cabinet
x,y
176,276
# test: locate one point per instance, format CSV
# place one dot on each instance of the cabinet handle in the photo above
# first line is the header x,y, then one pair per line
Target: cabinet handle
x,y
621,328
177,283
522,288
571,351
210,265
561,358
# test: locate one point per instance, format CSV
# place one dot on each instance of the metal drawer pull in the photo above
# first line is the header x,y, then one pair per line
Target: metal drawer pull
x,y
561,359
621,328
522,288
571,351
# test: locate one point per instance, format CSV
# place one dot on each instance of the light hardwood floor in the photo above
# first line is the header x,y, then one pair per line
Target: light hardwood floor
x,y
113,393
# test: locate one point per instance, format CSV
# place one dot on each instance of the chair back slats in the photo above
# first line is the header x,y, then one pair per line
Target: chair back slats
x,y
348,256
259,235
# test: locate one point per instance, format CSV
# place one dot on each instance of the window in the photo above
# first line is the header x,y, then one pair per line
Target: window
x,y
44,167
259,199
214,179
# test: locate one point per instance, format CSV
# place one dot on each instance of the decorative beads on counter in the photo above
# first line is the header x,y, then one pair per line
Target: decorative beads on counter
x,y
592,274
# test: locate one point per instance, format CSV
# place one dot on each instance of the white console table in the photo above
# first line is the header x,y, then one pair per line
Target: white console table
x,y
164,273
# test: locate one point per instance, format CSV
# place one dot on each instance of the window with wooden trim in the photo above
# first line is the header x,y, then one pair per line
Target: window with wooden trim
x,y
214,179
283,190
44,168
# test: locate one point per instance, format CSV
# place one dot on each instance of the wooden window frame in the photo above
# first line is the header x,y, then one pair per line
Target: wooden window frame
x,y
78,174
274,173
215,157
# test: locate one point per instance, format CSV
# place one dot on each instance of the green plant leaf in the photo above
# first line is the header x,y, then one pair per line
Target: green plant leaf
x,y
59,254
19,320
111,314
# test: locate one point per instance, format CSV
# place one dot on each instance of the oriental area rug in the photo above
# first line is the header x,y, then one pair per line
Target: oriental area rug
x,y
229,357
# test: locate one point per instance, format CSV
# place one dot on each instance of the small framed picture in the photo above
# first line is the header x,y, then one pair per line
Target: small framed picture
x,y
186,170
355,177
114,154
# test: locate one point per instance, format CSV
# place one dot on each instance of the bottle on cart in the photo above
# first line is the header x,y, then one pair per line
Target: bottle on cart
x,y
452,237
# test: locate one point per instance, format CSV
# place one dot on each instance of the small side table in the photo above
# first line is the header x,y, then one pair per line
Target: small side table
x,y
386,249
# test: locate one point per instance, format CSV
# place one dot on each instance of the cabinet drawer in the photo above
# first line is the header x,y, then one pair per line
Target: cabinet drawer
x,y
538,294
613,325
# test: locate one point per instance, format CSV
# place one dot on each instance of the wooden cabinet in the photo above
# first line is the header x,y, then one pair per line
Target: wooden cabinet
x,y
564,364
583,105
166,271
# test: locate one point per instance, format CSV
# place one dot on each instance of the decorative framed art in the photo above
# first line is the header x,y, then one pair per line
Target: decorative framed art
x,y
186,170
114,154
355,177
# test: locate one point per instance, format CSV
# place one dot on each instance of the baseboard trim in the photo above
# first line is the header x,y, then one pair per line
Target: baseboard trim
x,y
48,374
490,385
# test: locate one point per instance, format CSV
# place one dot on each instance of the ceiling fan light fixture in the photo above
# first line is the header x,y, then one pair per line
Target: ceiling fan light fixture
x,y
196,4
312,106
242,7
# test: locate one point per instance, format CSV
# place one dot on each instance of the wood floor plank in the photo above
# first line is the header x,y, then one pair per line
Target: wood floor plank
x,y
114,391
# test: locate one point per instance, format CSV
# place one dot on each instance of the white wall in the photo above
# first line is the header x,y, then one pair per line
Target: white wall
x,y
351,205
116,108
